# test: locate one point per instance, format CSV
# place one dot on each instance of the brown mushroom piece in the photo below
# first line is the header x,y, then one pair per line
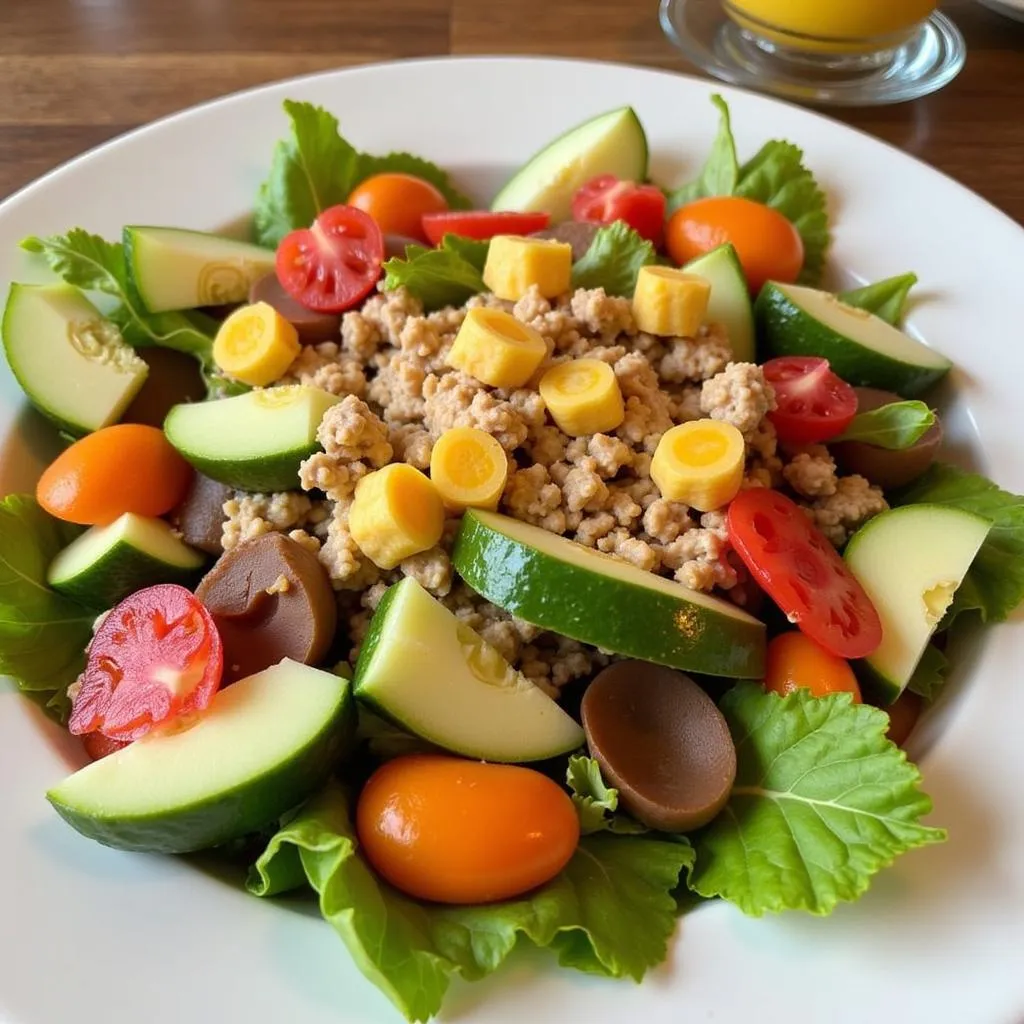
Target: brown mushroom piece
x,y
578,233
660,741
271,599
882,466
200,517
312,327
394,245
173,378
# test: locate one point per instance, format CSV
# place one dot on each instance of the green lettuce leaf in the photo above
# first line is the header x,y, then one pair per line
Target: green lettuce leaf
x,y
613,260
43,635
822,801
315,167
597,803
886,299
609,912
930,674
472,250
994,585
721,170
894,426
96,265
437,277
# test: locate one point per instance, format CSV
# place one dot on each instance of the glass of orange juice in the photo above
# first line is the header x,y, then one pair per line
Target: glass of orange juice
x,y
843,52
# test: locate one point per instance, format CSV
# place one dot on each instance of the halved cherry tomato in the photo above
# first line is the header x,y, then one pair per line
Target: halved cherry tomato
x,y
795,661
800,570
482,224
335,263
812,403
903,715
768,245
397,202
605,199
155,656
455,831
128,467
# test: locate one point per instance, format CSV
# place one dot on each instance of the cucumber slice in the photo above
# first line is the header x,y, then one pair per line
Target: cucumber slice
x,y
254,442
261,747
862,348
71,363
107,563
910,561
430,673
730,303
612,143
557,584
171,268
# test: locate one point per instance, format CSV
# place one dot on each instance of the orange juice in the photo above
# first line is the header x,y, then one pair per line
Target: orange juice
x,y
831,25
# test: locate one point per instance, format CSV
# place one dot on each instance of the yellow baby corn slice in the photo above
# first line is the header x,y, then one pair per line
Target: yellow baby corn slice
x,y
670,302
496,348
515,263
583,397
469,468
256,345
699,463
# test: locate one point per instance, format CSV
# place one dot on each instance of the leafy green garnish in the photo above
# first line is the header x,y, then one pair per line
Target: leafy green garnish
x,y
437,277
43,635
613,260
894,426
609,912
597,803
994,585
315,168
930,674
886,299
95,265
775,176
822,801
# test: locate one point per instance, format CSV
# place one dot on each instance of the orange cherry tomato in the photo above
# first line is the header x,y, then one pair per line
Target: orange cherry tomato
x,y
795,660
454,831
903,715
397,202
125,468
768,245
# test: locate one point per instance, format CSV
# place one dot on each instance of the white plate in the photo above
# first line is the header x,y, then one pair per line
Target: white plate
x,y
91,935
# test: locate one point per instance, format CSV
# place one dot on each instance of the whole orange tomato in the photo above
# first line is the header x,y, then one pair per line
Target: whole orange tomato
x,y
795,661
397,202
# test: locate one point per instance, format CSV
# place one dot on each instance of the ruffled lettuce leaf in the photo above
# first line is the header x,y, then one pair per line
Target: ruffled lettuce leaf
x,y
613,260
822,801
445,276
930,673
886,299
610,912
597,803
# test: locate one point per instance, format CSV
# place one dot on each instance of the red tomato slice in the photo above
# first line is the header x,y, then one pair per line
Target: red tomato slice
x,y
334,264
606,199
802,573
482,224
155,656
813,404
97,745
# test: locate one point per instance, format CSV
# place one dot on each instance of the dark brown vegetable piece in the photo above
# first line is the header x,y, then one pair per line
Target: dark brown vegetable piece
x,y
173,378
660,741
271,599
200,517
394,246
578,233
882,466
313,327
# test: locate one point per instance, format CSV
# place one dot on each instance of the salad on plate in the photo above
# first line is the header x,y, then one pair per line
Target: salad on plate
x,y
522,574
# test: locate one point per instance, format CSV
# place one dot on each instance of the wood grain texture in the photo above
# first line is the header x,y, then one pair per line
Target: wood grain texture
x,y
78,72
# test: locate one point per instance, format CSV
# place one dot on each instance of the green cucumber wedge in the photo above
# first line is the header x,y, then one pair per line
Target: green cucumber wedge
x,y
730,303
910,561
862,348
71,363
255,441
262,746
171,268
611,143
557,584
424,669
107,563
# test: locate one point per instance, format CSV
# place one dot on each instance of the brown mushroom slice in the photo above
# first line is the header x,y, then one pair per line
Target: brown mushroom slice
x,y
200,517
173,378
578,233
271,599
660,741
312,327
394,245
882,466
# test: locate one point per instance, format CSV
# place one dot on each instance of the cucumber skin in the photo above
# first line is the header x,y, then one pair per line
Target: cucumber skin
x,y
264,474
112,582
783,329
498,570
233,814
874,684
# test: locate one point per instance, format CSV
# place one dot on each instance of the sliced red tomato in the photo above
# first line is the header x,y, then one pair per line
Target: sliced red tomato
x,y
155,656
606,199
813,404
334,264
802,573
97,745
482,224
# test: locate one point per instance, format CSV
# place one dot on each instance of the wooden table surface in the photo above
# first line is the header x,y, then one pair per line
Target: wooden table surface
x,y
74,73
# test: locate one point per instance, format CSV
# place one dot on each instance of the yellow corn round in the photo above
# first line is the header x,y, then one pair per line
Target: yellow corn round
x,y
496,348
670,302
396,512
515,263
469,468
583,397
256,345
699,463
